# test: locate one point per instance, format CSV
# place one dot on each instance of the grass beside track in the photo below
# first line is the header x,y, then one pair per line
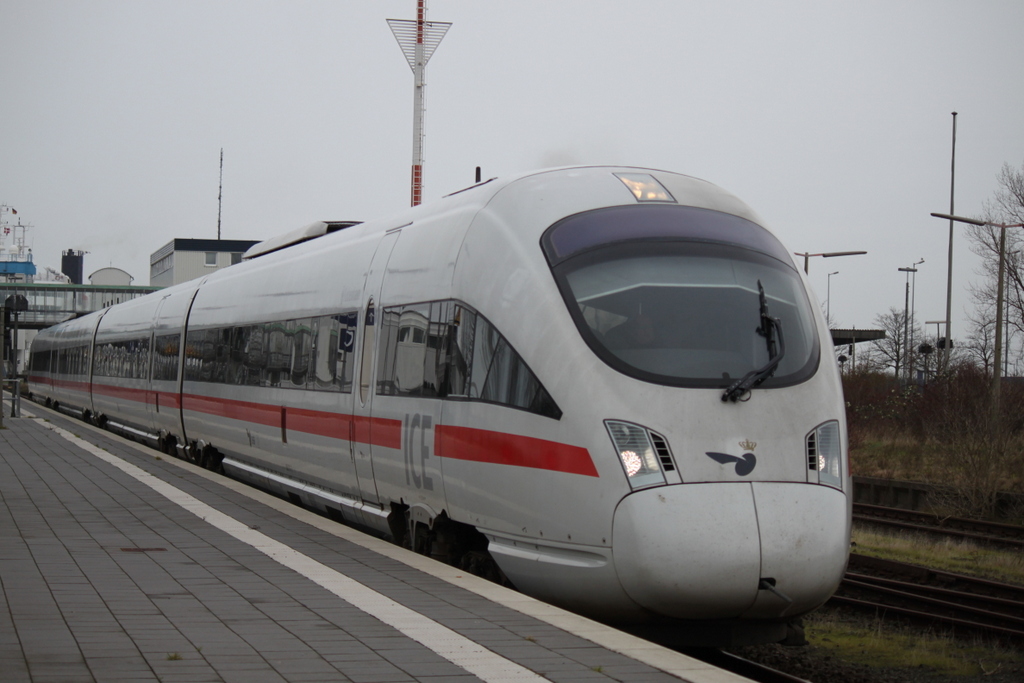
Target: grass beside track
x,y
946,554
879,641
884,643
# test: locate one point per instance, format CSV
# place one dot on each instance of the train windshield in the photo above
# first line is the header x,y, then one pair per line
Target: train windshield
x,y
671,295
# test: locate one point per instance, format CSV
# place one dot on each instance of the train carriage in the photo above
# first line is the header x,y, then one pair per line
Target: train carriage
x,y
608,385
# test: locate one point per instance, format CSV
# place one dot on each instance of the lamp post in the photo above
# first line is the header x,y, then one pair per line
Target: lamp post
x,y
828,254
998,350
949,259
909,317
828,298
938,329
906,323
1006,321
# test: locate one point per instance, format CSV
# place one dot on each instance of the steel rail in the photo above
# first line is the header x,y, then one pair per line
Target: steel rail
x,y
955,601
991,533
744,667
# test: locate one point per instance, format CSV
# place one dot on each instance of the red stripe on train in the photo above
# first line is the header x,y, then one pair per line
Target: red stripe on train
x,y
362,429
478,445
457,443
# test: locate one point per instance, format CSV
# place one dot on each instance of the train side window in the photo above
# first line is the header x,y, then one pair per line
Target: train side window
x,y
235,370
499,375
140,356
302,334
348,324
409,351
387,337
446,350
125,359
486,342
459,351
366,362
279,354
198,356
441,313
324,361
165,362
254,355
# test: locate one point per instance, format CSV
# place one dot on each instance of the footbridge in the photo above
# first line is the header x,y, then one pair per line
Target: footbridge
x,y
41,304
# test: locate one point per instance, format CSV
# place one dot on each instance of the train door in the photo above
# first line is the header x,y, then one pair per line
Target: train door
x,y
366,431
410,349
156,374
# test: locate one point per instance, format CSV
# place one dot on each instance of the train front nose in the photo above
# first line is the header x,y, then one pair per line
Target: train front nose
x,y
702,551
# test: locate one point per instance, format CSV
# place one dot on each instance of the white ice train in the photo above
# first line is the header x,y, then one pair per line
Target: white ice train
x,y
612,383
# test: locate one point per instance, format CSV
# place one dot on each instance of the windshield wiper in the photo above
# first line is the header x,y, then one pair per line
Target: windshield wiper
x,y
769,328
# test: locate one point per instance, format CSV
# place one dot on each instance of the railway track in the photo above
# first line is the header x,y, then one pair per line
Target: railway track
x,y
957,603
989,533
755,671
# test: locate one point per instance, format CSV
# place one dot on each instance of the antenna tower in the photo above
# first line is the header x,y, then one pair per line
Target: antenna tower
x,y
418,39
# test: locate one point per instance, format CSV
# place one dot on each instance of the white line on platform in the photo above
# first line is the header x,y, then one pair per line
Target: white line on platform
x,y
454,647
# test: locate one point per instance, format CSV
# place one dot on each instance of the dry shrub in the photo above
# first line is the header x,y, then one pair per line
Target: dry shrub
x,y
977,448
873,407
945,432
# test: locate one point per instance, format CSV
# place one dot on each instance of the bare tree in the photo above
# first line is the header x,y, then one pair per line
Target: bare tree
x,y
890,352
1006,206
1008,201
980,344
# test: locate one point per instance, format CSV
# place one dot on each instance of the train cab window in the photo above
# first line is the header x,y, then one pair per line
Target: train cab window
x,y
671,294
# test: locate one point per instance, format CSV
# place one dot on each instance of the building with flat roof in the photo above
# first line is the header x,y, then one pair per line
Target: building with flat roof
x,y
181,260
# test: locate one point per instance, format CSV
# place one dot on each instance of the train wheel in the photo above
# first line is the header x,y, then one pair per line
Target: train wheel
x,y
398,523
422,539
211,459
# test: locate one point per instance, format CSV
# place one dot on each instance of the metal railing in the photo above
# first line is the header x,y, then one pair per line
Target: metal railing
x,y
14,386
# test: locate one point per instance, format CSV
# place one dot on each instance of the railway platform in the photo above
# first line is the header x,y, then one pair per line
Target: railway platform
x,y
120,565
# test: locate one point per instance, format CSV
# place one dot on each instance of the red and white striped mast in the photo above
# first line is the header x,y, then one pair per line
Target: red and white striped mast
x,y
418,39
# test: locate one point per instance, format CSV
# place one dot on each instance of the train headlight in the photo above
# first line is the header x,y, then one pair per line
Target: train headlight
x,y
645,187
825,454
636,453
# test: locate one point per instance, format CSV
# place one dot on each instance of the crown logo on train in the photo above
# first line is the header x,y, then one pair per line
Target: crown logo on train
x,y
748,445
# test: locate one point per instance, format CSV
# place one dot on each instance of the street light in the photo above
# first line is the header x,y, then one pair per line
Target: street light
x,y
828,298
828,255
999,290
1006,350
937,328
908,319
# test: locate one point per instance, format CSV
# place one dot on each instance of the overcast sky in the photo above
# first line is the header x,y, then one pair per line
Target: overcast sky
x,y
831,119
